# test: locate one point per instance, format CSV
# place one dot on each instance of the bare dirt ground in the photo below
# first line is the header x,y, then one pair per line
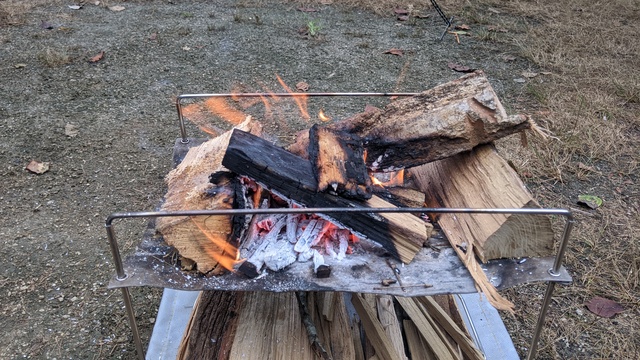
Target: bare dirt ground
x,y
107,127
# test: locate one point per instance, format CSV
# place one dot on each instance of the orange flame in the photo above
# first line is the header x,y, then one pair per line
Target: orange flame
x,y
221,108
322,116
227,255
300,100
395,179
196,115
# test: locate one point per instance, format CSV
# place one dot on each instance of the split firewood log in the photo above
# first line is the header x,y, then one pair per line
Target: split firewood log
x,y
190,188
482,179
438,123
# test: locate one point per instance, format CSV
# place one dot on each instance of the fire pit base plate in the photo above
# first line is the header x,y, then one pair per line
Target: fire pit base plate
x,y
430,273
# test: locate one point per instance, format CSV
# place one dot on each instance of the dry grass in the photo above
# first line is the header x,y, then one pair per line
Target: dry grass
x,y
53,58
12,12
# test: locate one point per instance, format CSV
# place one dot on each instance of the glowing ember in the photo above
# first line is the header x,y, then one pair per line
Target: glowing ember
x,y
388,179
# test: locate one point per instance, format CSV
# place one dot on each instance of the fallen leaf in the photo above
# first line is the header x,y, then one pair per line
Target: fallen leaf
x,y
116,8
75,7
71,130
186,48
529,74
591,201
97,57
395,51
20,66
546,72
37,167
509,57
401,11
307,9
153,36
302,86
604,307
463,27
460,68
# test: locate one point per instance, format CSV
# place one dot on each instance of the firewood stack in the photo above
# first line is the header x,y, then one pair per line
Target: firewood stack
x,y
442,137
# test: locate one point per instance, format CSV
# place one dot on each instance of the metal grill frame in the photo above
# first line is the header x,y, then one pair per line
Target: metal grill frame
x,y
122,275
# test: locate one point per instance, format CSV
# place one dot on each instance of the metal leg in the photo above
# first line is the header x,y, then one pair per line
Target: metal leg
x,y
543,314
568,226
132,322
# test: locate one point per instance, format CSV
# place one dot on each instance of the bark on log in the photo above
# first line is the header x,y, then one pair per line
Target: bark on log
x,y
483,179
290,177
215,316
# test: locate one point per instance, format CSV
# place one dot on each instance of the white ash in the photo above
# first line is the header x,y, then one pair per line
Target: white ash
x,y
279,254
318,260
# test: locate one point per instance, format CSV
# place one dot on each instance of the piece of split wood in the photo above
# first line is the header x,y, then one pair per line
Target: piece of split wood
x,y
374,330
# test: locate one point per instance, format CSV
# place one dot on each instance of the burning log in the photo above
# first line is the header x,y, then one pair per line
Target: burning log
x,y
483,179
338,163
189,188
291,177
440,122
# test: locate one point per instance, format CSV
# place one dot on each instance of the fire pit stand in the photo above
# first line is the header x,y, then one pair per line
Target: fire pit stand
x,y
432,272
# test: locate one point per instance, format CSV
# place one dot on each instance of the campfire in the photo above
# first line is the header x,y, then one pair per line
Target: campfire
x,y
374,205
331,165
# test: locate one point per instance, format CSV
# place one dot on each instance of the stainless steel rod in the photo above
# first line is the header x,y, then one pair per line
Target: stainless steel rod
x,y
554,271
541,318
132,322
153,214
